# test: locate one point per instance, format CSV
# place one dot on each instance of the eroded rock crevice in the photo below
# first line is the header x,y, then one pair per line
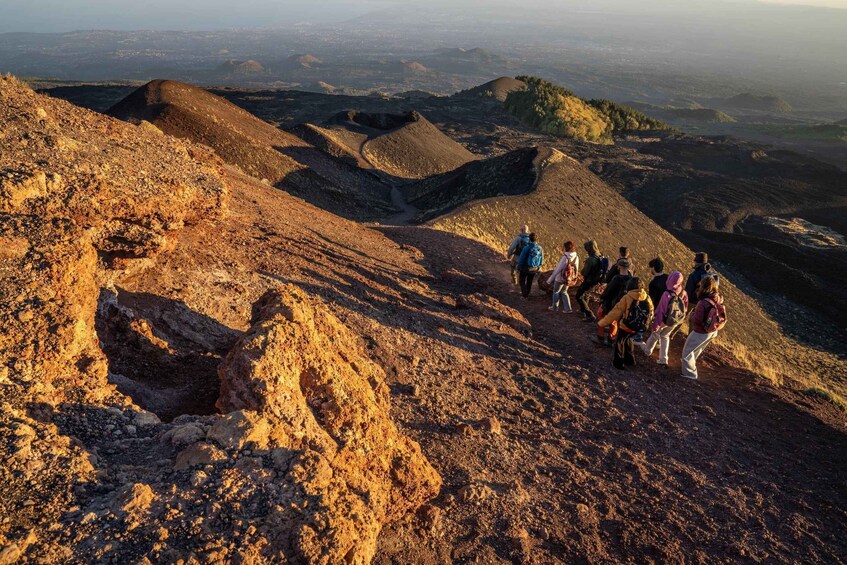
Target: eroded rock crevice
x,y
161,353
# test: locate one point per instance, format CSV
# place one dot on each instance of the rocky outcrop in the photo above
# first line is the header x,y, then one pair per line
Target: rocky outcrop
x,y
84,198
323,404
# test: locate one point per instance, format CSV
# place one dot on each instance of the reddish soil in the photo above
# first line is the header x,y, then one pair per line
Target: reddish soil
x,y
599,465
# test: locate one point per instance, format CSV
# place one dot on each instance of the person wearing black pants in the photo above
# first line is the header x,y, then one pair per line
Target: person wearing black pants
x,y
529,263
624,350
633,314
525,279
592,274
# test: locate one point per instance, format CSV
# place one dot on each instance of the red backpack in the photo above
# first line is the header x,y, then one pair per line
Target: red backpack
x,y
570,274
715,318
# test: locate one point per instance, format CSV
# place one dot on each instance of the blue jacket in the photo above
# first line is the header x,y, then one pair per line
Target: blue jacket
x,y
525,254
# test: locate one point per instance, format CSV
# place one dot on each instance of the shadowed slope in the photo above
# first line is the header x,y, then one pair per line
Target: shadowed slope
x,y
509,174
256,147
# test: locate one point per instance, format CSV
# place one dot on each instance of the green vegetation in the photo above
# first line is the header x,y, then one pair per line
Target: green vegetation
x,y
558,111
625,118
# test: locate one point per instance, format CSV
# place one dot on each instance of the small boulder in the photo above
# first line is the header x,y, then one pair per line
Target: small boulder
x,y
187,434
236,429
133,499
198,454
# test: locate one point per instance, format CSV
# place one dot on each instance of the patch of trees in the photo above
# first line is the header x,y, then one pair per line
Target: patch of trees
x,y
558,111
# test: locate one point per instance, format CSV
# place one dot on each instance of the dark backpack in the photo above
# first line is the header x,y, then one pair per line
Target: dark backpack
x,y
675,314
535,257
638,317
603,263
715,318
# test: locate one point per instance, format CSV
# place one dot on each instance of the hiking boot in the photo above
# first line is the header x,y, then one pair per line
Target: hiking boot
x,y
553,309
587,318
662,366
610,342
689,377
598,340
567,311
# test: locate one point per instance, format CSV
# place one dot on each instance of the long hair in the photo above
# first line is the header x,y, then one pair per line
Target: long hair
x,y
708,285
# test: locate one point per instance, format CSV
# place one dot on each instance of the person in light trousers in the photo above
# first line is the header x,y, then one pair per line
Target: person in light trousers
x,y
701,322
559,279
670,313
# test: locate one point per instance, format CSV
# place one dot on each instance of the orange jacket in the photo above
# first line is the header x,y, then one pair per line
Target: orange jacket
x,y
618,313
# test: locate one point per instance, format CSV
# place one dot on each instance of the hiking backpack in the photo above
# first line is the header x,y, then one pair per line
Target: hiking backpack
x,y
535,257
570,275
715,318
638,316
676,310
603,263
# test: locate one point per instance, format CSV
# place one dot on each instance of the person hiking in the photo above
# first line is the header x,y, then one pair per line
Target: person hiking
x,y
564,276
529,263
707,319
593,273
515,249
615,290
670,313
701,269
659,282
633,314
623,254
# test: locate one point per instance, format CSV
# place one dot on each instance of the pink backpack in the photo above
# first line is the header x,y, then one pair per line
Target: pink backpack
x,y
715,318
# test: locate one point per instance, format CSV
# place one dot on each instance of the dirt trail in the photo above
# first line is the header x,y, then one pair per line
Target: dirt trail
x,y
407,212
594,464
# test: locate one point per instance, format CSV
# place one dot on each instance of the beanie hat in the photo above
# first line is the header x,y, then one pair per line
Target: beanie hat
x,y
623,263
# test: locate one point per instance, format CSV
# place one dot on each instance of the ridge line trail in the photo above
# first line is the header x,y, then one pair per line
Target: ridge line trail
x,y
698,461
406,212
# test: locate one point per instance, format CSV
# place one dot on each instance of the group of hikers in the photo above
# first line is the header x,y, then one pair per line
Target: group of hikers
x,y
630,313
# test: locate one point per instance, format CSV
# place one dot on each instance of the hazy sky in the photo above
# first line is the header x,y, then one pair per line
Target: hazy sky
x,y
824,3
69,15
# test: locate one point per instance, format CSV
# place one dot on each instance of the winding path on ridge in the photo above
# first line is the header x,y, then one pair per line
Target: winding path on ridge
x,y
407,212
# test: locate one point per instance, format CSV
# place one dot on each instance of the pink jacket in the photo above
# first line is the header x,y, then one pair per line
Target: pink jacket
x,y
559,271
675,284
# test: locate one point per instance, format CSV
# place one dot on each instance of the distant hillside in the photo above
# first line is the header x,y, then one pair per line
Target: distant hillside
x,y
305,60
841,122
403,145
414,67
704,115
477,54
256,147
748,101
249,67
557,111
497,89
693,114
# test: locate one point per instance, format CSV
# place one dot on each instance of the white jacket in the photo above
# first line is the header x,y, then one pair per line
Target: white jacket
x,y
558,275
